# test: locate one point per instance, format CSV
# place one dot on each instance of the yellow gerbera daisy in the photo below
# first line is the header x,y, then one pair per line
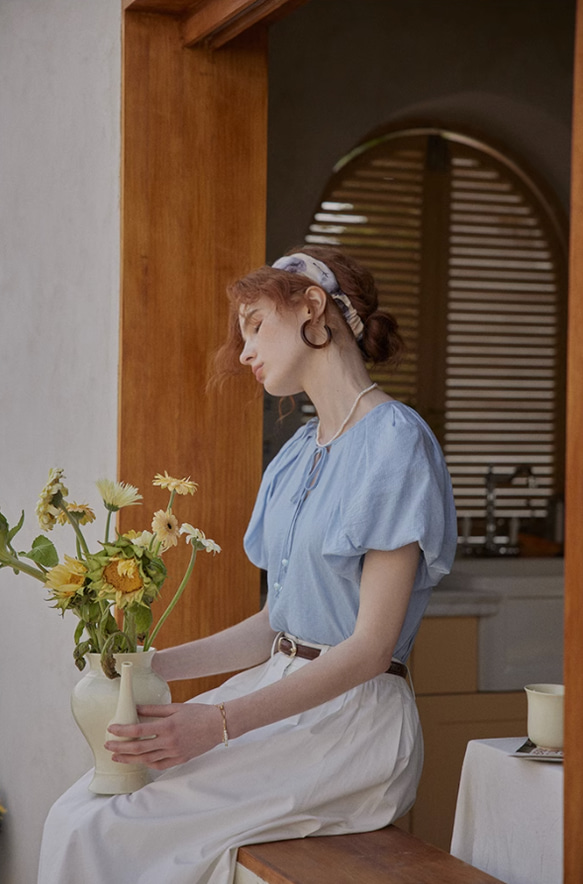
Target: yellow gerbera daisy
x,y
66,578
116,495
165,527
179,486
86,514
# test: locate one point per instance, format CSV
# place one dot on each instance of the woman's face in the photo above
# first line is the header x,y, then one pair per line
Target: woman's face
x,y
273,348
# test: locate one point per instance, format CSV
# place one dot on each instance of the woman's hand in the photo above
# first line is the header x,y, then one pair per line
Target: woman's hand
x,y
176,733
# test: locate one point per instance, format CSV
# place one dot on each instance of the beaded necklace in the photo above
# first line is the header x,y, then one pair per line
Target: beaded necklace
x,y
346,419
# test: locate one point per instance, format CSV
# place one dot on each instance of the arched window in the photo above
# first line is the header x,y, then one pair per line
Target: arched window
x,y
470,255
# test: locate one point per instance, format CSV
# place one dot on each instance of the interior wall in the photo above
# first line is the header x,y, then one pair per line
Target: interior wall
x,y
59,284
502,68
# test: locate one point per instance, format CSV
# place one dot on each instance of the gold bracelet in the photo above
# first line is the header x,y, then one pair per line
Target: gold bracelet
x,y
221,708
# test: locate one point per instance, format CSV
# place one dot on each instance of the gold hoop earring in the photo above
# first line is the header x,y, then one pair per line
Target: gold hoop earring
x,y
311,344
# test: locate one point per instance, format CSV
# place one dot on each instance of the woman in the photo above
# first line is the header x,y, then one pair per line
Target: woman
x,y
354,524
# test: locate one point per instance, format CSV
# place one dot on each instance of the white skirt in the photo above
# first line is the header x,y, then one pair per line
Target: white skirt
x,y
349,765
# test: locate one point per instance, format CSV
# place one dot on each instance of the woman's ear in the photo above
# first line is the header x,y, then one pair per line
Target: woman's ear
x,y
315,300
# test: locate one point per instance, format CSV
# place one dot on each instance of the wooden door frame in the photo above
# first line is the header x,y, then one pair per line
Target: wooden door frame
x,y
204,26
574,495
194,174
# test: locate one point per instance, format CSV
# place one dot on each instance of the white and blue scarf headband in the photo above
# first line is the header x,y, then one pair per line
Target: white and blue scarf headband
x,y
319,273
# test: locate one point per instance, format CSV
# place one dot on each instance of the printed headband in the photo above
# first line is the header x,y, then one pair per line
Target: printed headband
x,y
319,273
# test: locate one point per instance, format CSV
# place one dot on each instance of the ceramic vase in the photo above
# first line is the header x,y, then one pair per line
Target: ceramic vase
x,y
97,701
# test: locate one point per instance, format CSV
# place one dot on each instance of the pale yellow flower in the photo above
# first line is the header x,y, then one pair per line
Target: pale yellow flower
x,y
66,578
179,486
132,535
140,538
195,535
82,509
46,513
117,494
165,527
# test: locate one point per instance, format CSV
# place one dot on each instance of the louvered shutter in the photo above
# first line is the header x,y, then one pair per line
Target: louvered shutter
x,y
470,256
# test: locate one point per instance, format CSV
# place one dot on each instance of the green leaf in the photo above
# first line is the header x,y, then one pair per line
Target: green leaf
x,y
4,532
79,631
107,623
143,618
14,531
43,552
79,654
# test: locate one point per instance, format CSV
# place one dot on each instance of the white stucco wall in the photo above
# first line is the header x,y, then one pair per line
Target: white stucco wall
x,y
59,272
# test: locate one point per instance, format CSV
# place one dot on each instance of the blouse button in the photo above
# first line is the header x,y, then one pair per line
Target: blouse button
x,y
277,586
285,563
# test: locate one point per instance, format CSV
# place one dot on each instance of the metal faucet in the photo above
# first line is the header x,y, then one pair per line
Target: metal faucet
x,y
493,481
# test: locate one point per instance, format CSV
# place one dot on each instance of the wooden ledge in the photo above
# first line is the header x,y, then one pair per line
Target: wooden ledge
x,y
387,856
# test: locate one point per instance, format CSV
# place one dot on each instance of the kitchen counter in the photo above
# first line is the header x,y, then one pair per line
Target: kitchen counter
x,y
518,603
463,603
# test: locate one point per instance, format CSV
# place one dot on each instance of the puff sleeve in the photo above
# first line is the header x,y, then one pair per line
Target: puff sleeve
x,y
399,491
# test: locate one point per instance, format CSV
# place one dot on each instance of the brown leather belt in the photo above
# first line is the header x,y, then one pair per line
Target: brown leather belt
x,y
291,648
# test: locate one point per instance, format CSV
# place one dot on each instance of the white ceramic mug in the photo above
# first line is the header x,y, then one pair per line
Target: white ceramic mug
x,y
545,714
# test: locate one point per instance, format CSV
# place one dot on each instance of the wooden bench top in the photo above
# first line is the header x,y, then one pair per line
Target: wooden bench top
x,y
387,856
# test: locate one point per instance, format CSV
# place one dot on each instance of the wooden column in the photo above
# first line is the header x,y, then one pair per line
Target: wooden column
x,y
574,501
193,218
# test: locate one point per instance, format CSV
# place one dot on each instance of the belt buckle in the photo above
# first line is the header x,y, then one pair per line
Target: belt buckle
x,y
293,649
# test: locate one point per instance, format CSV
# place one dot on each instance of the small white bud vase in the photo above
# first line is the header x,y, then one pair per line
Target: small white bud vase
x,y
97,701
130,776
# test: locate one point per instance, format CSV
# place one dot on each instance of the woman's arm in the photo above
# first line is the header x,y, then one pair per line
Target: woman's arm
x,y
184,731
238,647
386,584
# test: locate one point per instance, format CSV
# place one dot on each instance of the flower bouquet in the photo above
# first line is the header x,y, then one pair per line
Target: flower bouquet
x,y
126,573
111,591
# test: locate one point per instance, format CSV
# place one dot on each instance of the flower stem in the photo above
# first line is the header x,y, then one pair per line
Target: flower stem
x,y
129,627
18,565
107,524
63,507
177,594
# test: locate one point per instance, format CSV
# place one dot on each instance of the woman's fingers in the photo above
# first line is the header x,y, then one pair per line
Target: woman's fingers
x,y
175,734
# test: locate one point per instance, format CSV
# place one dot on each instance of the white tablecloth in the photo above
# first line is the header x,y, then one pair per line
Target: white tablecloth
x,y
509,814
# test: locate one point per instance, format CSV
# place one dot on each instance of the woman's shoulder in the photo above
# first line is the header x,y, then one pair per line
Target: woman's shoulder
x,y
393,440
394,422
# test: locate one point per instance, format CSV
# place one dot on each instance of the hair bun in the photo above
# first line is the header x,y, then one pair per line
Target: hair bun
x,y
382,341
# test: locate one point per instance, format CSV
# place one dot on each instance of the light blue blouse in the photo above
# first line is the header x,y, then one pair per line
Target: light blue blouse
x,y
381,485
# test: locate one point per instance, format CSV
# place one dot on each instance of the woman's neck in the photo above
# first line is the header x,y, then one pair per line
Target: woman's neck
x,y
335,393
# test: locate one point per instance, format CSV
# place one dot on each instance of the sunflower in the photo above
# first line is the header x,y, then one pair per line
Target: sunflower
x,y
117,494
121,579
66,580
125,573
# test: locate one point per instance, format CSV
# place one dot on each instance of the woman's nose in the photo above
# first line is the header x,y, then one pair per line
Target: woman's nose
x,y
246,353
